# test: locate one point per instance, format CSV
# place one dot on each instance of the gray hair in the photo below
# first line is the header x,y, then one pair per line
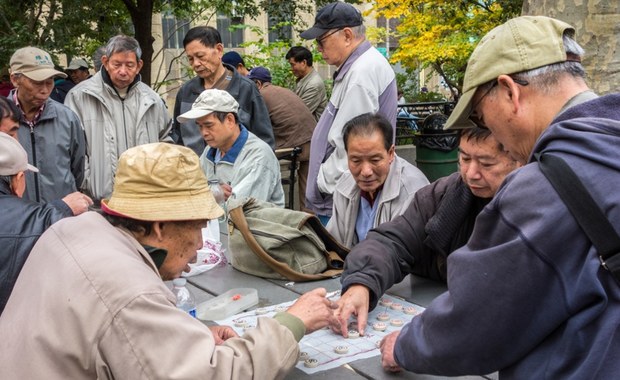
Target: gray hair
x,y
359,31
122,43
100,52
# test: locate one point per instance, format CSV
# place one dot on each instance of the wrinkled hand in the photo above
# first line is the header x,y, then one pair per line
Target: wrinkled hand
x,y
387,352
227,189
78,202
354,302
222,333
314,310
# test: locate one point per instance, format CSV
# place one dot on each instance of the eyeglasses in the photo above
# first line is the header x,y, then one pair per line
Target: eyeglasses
x,y
478,119
319,41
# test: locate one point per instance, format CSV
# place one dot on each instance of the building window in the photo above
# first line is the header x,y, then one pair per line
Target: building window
x,y
174,30
279,30
230,38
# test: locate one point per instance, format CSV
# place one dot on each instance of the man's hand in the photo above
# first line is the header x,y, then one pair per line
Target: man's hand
x,y
78,202
314,310
387,352
227,189
222,333
354,302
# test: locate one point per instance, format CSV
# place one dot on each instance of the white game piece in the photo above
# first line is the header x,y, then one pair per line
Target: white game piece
x,y
311,363
410,310
247,327
341,349
303,356
261,311
383,317
240,323
396,322
385,302
354,334
281,308
379,326
396,306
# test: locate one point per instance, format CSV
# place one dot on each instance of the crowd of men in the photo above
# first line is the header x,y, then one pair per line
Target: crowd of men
x,y
520,271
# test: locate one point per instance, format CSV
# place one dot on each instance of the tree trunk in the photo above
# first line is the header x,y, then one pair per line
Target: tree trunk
x,y
141,16
597,27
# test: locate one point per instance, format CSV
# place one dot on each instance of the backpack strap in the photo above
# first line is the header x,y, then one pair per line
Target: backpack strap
x,y
584,209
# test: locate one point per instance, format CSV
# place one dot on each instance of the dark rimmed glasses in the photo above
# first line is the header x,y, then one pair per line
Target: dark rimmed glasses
x,y
473,115
319,41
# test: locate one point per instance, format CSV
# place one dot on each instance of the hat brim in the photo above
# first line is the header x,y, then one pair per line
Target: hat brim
x,y
193,114
43,74
199,206
313,33
459,118
32,168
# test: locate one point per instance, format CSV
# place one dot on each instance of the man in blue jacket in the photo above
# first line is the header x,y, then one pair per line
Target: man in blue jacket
x,y
527,296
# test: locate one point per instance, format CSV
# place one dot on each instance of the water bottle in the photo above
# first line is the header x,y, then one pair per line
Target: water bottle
x,y
185,299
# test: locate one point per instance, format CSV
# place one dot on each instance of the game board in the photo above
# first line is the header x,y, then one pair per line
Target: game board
x,y
323,349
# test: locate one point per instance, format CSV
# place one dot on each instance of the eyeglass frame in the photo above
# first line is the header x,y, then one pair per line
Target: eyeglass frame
x,y
323,37
477,121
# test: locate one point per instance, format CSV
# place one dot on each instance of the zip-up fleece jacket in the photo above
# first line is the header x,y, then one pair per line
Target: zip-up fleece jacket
x,y
114,124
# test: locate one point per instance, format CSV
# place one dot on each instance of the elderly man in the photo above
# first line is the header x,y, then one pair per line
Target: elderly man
x,y
235,155
439,220
77,72
528,295
118,112
50,133
291,120
363,82
102,309
378,186
204,49
22,221
310,86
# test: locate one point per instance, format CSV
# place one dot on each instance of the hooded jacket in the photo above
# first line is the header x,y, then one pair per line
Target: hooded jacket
x,y
527,295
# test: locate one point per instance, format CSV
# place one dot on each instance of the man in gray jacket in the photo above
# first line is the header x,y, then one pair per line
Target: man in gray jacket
x,y
118,112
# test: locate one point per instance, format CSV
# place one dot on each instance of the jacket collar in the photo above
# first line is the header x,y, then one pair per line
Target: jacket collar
x,y
5,189
107,80
234,151
344,68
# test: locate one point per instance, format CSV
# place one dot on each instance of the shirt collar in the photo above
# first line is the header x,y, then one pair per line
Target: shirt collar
x,y
234,151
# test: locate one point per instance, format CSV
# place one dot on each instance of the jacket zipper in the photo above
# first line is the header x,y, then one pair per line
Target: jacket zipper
x,y
34,162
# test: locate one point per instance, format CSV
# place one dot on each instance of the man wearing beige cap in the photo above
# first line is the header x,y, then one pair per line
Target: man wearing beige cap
x,y
77,72
51,133
90,302
234,155
21,221
528,295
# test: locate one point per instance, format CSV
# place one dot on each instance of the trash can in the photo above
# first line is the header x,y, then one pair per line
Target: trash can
x,y
436,148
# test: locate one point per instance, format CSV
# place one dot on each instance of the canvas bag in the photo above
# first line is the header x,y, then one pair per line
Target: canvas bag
x,y
274,242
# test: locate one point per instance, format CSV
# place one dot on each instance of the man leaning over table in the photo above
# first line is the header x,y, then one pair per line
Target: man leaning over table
x,y
96,303
241,161
528,295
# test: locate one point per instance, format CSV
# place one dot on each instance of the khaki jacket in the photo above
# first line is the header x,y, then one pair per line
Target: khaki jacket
x,y
89,303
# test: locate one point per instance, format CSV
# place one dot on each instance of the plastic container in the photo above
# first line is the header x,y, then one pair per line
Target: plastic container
x,y
185,299
227,304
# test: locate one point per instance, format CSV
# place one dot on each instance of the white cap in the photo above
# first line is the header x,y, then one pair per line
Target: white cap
x,y
210,101
13,158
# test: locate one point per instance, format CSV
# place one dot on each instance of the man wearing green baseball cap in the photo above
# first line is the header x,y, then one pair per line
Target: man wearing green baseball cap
x,y
528,296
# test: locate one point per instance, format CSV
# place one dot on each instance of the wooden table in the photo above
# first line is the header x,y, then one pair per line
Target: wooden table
x,y
413,289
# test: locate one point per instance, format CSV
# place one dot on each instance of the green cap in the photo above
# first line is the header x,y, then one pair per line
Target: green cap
x,y
520,44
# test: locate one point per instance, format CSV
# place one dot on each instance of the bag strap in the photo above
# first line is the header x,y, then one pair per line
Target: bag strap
x,y
582,206
237,216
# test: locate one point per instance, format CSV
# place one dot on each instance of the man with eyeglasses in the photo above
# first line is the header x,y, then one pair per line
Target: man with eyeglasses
x,y
363,82
527,296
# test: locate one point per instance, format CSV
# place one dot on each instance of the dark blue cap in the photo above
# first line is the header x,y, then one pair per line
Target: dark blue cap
x,y
260,73
335,15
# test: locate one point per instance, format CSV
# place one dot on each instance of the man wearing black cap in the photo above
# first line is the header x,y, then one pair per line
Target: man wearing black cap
x,y
364,82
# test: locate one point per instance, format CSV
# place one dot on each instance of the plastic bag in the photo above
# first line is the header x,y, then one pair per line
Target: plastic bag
x,y
211,255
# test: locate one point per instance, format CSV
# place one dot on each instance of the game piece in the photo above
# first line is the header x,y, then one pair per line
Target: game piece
x,y
379,326
410,310
396,322
311,363
236,297
354,334
303,356
396,306
383,317
341,349
385,302
240,323
260,311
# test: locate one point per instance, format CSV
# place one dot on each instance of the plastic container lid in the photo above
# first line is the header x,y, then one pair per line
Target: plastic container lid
x,y
181,281
227,304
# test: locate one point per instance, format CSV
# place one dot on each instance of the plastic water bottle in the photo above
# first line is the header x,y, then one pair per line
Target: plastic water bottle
x,y
185,299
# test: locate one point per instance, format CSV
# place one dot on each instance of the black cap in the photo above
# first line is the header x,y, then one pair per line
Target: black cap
x,y
260,73
333,16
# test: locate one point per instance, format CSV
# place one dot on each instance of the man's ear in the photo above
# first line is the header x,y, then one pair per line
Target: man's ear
x,y
158,230
140,64
18,184
512,91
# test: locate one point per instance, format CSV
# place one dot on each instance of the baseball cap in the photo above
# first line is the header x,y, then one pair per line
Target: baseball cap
x,y
77,63
261,73
232,58
34,63
520,44
13,158
161,182
210,101
333,16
